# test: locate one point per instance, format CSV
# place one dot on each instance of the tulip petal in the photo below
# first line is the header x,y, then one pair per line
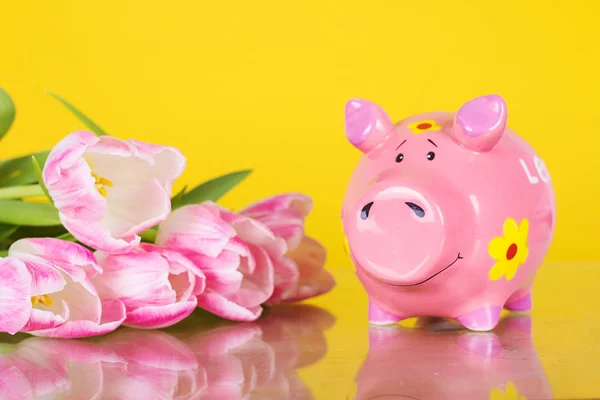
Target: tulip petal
x,y
316,286
127,215
157,317
283,214
178,263
15,295
298,204
313,280
258,286
169,162
99,237
74,259
82,299
247,229
195,228
138,279
68,178
225,282
221,306
113,315
130,161
43,319
184,275
285,277
45,278
244,303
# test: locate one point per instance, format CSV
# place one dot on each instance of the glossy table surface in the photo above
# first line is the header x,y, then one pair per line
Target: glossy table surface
x,y
325,349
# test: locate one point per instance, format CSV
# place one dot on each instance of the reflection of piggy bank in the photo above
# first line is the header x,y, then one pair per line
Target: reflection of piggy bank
x,y
446,215
440,363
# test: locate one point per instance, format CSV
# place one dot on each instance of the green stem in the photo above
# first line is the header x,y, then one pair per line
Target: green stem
x,y
18,192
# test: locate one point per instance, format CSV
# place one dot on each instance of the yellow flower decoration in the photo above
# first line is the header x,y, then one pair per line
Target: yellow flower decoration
x,y
424,126
510,250
510,393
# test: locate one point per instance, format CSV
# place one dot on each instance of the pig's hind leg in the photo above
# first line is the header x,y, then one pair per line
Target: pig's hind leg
x,y
520,300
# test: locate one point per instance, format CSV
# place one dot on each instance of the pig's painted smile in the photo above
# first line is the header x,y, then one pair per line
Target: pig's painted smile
x,y
458,257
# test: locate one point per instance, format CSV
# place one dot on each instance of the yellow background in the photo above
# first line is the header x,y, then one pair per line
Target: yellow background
x,y
262,85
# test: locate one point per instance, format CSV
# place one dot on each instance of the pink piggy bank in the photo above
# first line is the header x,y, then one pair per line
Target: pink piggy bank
x,y
446,214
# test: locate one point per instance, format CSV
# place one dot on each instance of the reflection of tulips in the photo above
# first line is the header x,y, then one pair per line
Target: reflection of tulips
x,y
195,360
437,360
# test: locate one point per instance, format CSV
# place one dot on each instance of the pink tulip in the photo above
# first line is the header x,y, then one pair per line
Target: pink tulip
x,y
235,253
304,276
62,302
108,190
157,285
15,292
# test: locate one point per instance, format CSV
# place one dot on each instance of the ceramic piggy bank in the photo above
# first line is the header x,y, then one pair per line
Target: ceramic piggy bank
x,y
446,214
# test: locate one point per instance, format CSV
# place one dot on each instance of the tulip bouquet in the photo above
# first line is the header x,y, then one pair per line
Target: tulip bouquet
x,y
93,238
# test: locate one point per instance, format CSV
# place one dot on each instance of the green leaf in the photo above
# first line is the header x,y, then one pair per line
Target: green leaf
x,y
28,214
19,192
177,198
38,231
213,189
149,235
38,173
7,231
82,117
7,112
20,171
67,236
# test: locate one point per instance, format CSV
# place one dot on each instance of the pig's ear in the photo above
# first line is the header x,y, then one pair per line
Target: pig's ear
x,y
367,125
480,123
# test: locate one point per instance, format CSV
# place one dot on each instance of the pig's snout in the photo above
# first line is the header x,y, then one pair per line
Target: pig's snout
x,y
397,232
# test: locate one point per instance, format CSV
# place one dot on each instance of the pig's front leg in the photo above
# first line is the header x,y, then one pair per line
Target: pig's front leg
x,y
377,316
483,319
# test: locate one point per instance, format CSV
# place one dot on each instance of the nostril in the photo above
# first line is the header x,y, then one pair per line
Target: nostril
x,y
364,213
418,210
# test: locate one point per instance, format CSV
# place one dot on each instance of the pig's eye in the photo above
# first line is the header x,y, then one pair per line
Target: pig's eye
x,y
430,155
399,157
